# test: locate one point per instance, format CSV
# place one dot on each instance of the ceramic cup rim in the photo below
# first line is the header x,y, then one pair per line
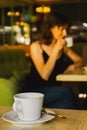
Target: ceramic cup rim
x,y
29,95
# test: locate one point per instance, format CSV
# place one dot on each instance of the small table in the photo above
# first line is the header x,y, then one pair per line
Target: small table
x,y
76,120
77,79
78,75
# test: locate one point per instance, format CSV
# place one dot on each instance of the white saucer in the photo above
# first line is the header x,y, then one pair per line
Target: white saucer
x,y
13,118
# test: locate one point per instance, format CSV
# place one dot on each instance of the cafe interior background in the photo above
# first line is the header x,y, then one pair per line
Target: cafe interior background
x,y
20,21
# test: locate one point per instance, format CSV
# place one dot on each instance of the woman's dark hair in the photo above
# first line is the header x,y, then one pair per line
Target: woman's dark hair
x,y
50,20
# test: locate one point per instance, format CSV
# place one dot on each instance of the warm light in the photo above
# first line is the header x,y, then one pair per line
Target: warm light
x,y
22,23
10,13
17,23
43,9
17,13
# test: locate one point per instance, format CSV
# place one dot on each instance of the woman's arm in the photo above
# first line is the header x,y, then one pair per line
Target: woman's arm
x,y
45,69
77,60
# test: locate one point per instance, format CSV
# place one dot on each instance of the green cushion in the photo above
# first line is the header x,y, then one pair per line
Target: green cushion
x,y
7,91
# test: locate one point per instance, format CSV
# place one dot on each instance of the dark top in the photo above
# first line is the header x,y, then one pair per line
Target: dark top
x,y
34,81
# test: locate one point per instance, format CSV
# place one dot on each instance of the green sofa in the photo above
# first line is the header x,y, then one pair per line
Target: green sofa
x,y
13,69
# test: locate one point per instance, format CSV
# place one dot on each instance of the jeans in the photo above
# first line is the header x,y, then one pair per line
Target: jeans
x,y
59,97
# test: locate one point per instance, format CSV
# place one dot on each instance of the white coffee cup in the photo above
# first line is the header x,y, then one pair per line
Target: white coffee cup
x,y
69,41
28,105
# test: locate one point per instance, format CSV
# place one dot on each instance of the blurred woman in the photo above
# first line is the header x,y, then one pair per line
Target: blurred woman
x,y
50,56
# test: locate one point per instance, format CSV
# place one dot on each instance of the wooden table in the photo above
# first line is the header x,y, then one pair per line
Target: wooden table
x,y
76,120
78,75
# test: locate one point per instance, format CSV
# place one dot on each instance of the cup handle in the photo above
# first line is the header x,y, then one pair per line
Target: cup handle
x,y
18,108
14,106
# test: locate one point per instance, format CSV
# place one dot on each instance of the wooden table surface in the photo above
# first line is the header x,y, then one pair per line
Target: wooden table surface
x,y
78,75
76,120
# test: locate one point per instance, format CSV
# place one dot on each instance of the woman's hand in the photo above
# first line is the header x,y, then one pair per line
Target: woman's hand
x,y
70,68
58,47
60,44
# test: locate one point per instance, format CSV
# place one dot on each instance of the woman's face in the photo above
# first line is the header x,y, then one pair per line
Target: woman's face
x,y
59,32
